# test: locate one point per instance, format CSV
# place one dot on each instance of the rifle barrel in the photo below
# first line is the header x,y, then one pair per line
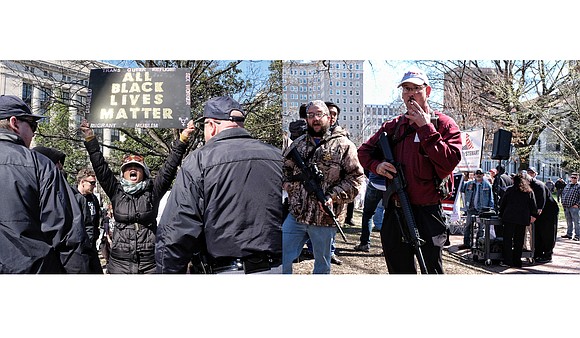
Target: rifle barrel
x,y
408,225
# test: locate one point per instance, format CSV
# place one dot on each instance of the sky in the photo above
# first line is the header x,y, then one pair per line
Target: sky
x,y
381,78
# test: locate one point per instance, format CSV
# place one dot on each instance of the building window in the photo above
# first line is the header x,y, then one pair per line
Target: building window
x,y
65,96
45,95
78,119
27,93
98,133
115,135
81,104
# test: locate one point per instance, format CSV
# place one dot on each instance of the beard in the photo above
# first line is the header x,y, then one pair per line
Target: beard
x,y
313,133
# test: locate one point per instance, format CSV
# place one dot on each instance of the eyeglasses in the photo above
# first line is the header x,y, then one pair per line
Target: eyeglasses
x,y
415,89
479,173
31,122
132,157
91,182
574,178
318,115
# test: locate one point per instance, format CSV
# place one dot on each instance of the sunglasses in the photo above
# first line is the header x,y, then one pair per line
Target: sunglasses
x,y
31,122
91,182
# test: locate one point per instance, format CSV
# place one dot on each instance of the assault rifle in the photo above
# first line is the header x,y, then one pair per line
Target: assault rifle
x,y
407,221
311,178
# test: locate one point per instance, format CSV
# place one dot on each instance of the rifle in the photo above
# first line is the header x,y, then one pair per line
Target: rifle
x,y
311,178
407,222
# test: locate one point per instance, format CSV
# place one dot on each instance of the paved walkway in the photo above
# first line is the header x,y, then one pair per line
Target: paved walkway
x,y
565,260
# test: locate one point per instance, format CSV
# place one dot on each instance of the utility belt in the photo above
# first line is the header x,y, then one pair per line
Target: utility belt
x,y
250,264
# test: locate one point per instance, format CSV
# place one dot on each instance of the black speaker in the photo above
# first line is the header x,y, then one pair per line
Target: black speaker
x,y
502,140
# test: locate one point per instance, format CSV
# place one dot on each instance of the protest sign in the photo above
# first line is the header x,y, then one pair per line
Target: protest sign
x,y
471,151
139,98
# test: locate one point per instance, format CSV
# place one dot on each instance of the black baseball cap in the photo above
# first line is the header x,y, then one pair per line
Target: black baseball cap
x,y
220,108
11,105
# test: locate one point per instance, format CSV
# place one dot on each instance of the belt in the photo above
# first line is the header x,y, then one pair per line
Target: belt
x,y
250,264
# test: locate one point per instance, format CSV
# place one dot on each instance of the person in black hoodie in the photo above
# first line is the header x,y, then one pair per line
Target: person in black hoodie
x,y
135,198
517,210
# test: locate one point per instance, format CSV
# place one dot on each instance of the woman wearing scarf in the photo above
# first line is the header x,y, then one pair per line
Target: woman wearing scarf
x,y
135,198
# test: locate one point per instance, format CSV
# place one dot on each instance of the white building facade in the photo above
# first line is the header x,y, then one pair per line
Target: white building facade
x,y
339,81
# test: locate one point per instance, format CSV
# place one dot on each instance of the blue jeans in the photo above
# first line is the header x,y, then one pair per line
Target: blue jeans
x,y
295,234
332,246
469,220
379,215
572,218
373,197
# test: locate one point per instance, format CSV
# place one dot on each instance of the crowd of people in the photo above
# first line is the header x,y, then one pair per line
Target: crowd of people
x,y
428,144
210,222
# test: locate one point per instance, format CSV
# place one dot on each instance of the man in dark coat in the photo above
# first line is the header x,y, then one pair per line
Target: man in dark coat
x,y
225,208
41,225
546,224
86,183
87,207
559,185
501,182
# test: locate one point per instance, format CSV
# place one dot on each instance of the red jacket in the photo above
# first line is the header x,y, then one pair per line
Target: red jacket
x,y
423,154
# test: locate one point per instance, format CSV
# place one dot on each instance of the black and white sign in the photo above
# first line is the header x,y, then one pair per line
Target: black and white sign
x,y
139,98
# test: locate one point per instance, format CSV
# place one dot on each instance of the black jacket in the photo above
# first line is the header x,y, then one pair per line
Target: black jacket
x,y
226,202
41,225
133,242
92,210
517,206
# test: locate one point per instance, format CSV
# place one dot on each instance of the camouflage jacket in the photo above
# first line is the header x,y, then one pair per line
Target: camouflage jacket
x,y
343,176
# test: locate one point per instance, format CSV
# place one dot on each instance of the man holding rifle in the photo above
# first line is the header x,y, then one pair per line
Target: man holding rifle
x,y
321,174
426,146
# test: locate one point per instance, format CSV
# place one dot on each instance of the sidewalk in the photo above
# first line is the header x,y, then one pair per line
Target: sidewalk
x,y
565,259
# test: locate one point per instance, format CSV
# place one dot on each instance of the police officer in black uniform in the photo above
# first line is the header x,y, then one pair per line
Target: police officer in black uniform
x,y
225,208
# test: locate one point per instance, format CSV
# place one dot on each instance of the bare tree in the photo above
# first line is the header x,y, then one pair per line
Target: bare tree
x,y
61,80
521,96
